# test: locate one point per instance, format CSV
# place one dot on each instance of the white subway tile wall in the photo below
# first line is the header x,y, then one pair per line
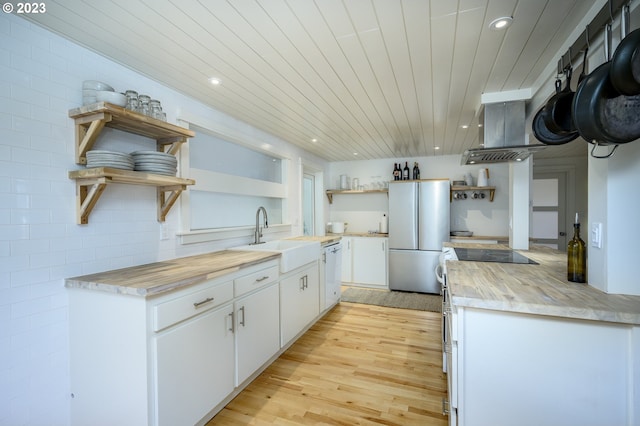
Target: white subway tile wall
x,y
40,242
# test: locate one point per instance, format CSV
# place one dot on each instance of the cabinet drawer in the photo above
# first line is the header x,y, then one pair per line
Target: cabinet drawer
x,y
183,307
255,280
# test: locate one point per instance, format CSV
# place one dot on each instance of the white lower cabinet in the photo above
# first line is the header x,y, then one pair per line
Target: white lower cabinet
x,y
510,368
365,261
177,358
194,367
347,260
370,259
299,300
257,325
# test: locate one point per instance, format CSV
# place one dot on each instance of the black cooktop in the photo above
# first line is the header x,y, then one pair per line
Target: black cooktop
x,y
492,255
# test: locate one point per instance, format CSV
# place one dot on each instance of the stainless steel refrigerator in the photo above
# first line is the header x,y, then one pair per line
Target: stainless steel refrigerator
x,y
418,225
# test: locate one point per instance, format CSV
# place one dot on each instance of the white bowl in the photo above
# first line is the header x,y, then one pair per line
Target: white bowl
x,y
96,85
111,97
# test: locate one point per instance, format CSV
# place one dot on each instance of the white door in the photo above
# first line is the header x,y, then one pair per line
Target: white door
x,y
370,261
549,210
257,330
195,366
347,260
299,301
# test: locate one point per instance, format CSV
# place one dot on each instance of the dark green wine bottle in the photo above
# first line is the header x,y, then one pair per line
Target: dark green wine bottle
x,y
576,257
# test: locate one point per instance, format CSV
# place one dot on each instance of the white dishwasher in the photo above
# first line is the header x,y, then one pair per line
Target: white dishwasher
x,y
332,259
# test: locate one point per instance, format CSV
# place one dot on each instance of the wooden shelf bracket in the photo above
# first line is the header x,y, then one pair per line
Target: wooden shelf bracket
x,y
88,129
88,193
167,196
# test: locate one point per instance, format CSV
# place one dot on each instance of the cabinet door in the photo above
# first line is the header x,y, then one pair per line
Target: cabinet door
x,y
194,367
257,330
347,275
370,261
300,301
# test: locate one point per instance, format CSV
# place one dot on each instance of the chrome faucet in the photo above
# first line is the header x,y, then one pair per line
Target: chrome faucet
x,y
258,233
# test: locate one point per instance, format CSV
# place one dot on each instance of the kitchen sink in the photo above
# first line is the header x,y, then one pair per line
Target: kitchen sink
x,y
293,253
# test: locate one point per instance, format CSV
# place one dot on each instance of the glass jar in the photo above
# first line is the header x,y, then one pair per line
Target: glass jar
x,y
143,107
156,109
132,100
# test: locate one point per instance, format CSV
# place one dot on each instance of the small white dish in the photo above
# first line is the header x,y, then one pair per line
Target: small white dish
x,y
111,97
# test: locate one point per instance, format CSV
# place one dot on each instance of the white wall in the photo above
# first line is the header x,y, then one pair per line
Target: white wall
x,y
40,243
363,212
614,202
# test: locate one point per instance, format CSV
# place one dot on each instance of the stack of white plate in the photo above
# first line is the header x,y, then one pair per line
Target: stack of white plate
x,y
90,89
155,162
116,160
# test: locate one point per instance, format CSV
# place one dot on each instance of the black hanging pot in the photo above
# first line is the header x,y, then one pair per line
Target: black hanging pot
x,y
557,110
625,63
546,136
600,113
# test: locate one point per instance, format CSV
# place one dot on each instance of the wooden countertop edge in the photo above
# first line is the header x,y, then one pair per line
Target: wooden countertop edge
x,y
501,287
564,311
362,234
85,282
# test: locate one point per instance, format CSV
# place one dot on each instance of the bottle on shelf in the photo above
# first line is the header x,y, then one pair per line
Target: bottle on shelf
x,y
405,171
576,256
416,171
396,175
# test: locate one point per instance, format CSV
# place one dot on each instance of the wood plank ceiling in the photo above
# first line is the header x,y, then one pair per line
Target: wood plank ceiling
x,y
363,78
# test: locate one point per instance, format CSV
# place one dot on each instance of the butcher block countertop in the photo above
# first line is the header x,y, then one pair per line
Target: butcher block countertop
x,y
159,277
534,289
323,240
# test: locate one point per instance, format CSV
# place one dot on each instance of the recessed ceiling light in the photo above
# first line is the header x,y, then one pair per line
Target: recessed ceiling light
x,y
436,147
464,126
314,140
501,23
214,81
355,153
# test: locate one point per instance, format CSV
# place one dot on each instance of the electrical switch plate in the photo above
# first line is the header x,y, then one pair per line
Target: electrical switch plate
x,y
596,235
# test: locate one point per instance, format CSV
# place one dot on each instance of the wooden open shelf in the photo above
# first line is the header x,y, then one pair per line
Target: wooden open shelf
x,y
332,192
491,189
91,183
90,120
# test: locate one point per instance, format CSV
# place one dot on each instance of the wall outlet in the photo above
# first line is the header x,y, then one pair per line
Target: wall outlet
x,y
596,235
164,231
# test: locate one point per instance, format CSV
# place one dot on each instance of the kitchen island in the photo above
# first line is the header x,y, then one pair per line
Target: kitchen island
x,y
525,346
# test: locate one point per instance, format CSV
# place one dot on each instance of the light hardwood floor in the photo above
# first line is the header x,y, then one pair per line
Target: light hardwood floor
x,y
358,365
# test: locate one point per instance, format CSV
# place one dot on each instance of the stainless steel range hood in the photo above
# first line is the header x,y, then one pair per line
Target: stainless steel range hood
x,y
503,135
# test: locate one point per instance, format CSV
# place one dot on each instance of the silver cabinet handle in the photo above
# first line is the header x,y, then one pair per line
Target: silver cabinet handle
x,y
198,304
304,282
262,279
233,323
242,320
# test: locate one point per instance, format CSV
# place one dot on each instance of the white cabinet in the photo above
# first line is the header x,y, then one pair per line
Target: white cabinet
x,y
510,368
347,260
194,367
257,325
172,358
370,258
300,300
